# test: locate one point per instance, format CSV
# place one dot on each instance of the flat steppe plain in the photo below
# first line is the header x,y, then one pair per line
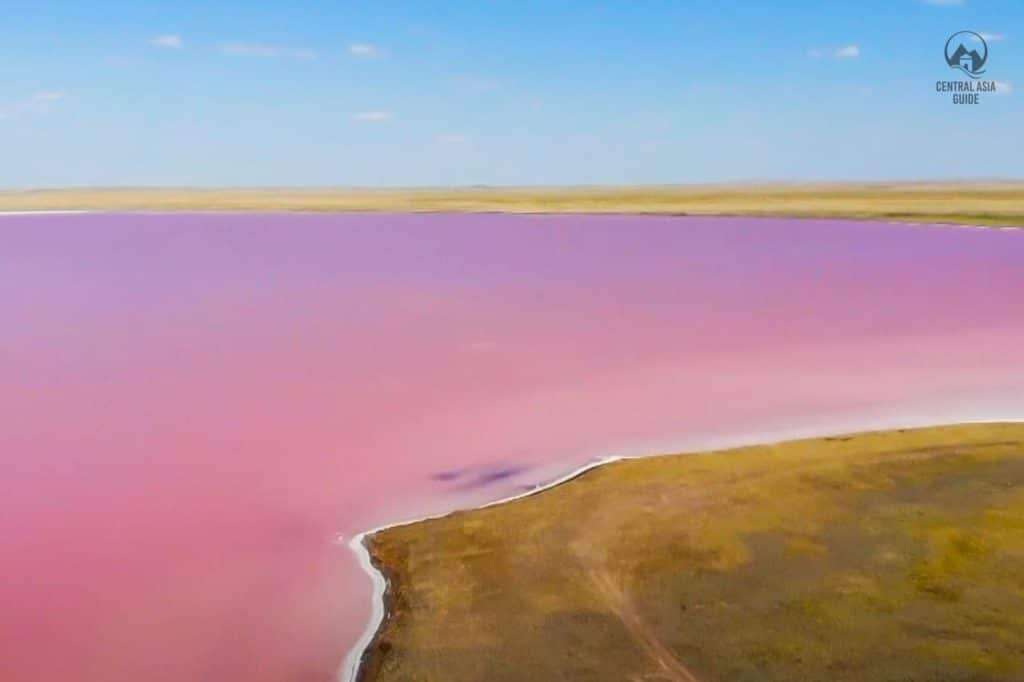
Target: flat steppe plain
x,y
970,203
881,556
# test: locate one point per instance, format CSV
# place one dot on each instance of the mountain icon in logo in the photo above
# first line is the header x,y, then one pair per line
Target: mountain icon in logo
x,y
971,62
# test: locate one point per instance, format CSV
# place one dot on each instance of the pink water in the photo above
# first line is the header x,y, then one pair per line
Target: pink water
x,y
193,407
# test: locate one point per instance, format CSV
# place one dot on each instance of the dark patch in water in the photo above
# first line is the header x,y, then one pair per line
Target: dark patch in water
x,y
490,476
468,479
449,476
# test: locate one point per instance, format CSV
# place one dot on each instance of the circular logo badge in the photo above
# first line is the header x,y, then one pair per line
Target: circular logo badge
x,y
967,51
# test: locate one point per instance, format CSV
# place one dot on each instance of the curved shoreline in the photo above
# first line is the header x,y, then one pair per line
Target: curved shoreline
x,y
354,658
353,663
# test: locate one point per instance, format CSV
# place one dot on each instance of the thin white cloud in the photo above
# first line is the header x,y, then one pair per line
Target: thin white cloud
x,y
843,52
373,116
451,138
364,50
37,103
476,83
41,102
266,51
169,42
1004,87
989,37
944,3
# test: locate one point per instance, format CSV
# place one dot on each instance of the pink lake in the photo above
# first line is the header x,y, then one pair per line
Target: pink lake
x,y
193,407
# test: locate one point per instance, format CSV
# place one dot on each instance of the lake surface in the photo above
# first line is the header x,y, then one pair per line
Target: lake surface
x,y
193,407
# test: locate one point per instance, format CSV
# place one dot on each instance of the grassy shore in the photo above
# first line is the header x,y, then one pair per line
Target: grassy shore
x,y
881,556
976,204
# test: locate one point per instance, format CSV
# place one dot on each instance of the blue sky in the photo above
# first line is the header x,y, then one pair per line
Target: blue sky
x,y
112,92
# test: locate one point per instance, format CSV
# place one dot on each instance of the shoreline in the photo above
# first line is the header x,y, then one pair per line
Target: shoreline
x,y
352,666
875,220
971,202
354,659
47,212
976,203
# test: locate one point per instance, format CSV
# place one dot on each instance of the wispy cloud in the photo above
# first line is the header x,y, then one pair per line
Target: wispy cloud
x,y
989,37
1004,87
373,116
944,3
842,52
476,83
36,103
266,51
365,50
47,96
169,42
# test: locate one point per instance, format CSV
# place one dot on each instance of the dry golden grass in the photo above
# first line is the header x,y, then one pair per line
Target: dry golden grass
x,y
881,556
982,204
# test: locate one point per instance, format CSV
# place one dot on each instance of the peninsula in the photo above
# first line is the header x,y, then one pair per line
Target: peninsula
x,y
880,556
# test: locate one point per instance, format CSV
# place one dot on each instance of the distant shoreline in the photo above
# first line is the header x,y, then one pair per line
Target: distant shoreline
x,y
981,204
353,668
877,221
